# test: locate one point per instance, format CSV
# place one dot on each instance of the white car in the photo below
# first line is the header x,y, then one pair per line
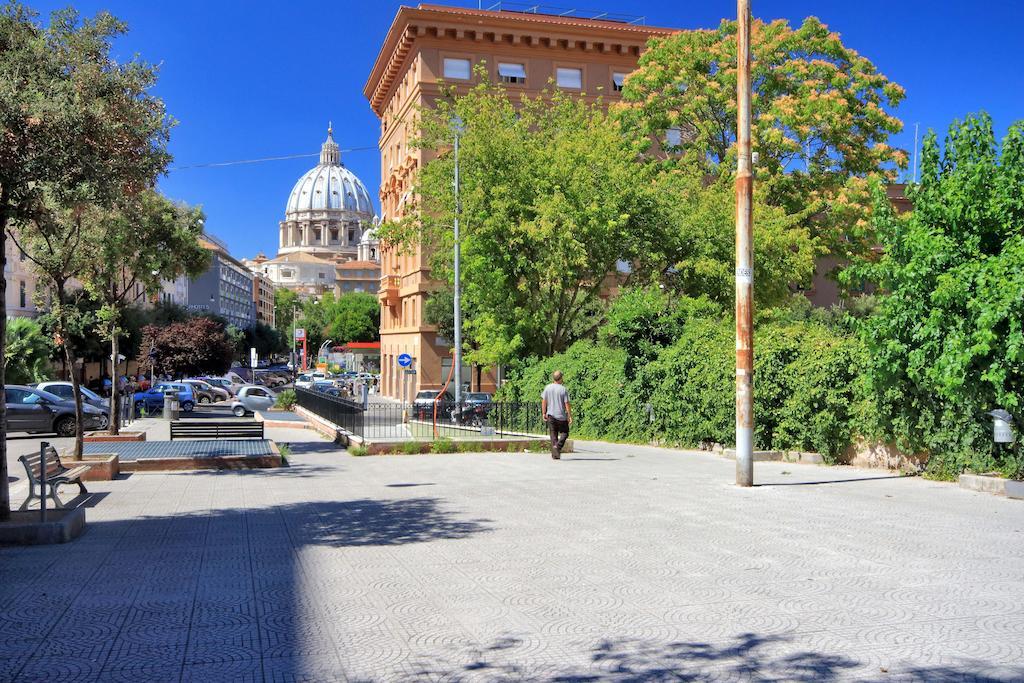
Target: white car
x,y
252,398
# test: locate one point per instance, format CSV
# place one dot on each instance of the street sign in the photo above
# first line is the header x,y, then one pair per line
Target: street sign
x,y
300,334
410,372
405,360
253,358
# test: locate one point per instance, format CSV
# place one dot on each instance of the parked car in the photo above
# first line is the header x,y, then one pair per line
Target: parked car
x,y
65,391
423,404
153,400
202,387
203,395
251,398
231,381
307,380
35,411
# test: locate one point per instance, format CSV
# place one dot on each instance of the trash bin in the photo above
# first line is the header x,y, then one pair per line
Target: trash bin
x,y
171,405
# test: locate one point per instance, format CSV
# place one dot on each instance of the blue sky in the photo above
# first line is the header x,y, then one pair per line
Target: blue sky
x,y
255,79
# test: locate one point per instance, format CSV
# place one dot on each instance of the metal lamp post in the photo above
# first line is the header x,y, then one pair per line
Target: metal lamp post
x,y
744,258
457,128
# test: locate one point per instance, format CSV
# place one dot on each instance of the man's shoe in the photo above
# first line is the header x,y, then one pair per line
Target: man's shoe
x,y
556,454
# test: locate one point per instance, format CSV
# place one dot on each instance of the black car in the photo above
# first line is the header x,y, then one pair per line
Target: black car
x,y
35,411
423,404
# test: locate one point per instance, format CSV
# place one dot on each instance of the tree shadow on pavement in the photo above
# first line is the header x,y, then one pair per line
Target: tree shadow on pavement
x,y
746,656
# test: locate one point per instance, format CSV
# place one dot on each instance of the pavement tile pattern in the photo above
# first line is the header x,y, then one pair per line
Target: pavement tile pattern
x,y
184,448
617,563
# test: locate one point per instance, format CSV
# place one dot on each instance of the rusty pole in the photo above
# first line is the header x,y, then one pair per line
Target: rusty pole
x,y
744,258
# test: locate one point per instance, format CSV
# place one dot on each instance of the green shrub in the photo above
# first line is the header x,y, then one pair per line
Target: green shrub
x,y
358,451
286,399
444,445
410,447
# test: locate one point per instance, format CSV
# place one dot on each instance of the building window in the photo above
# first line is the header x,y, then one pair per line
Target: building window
x,y
617,80
351,235
321,276
334,235
673,137
21,254
287,273
512,73
316,235
569,78
21,294
456,68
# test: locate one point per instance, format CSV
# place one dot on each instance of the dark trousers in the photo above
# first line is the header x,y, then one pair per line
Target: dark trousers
x,y
559,432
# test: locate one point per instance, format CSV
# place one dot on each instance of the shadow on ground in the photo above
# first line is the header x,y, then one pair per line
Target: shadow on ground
x,y
745,657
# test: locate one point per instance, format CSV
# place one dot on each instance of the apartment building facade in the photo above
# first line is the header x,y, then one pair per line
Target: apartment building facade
x,y
429,45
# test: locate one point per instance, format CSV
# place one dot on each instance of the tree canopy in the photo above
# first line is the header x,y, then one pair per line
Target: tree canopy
x,y
820,118
197,346
552,203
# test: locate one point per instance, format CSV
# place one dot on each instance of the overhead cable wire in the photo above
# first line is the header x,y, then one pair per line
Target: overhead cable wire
x,y
258,161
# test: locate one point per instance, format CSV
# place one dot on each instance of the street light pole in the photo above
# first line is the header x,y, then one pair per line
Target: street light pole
x,y
295,359
458,280
744,258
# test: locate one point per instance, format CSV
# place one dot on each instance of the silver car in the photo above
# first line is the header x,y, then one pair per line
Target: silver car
x,y
252,398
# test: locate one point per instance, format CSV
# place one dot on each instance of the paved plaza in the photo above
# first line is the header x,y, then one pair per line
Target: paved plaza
x,y
619,563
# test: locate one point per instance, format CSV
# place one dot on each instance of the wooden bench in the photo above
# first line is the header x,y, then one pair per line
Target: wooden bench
x,y
56,474
217,429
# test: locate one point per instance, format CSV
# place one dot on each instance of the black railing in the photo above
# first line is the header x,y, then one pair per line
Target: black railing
x,y
345,414
425,421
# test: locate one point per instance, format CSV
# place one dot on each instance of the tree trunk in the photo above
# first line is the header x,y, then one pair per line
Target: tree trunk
x,y
76,388
5,489
115,413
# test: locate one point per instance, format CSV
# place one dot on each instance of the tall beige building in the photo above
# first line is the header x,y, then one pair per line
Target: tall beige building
x,y
430,43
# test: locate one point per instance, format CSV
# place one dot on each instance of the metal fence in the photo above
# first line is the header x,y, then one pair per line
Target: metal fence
x,y
389,421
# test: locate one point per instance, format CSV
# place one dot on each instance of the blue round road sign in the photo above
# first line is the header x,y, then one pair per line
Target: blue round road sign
x,y
405,360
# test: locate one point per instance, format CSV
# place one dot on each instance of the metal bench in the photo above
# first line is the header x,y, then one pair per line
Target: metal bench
x,y
56,474
217,429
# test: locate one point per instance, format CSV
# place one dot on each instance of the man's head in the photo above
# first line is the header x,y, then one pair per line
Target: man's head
x,y
556,376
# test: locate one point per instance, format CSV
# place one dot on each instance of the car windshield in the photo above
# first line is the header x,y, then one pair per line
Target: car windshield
x,y
39,395
426,394
90,394
478,397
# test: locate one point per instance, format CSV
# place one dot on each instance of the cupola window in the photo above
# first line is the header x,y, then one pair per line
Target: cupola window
x,y
618,79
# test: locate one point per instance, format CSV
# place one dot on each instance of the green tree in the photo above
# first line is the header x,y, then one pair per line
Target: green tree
x,y
819,114
137,243
285,304
354,317
552,202
27,352
947,340
74,123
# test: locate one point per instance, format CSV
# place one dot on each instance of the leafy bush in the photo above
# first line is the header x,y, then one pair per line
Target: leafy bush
x,y
286,399
444,445
410,447
946,344
807,392
358,451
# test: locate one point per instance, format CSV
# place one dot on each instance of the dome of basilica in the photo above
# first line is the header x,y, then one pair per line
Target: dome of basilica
x,y
329,186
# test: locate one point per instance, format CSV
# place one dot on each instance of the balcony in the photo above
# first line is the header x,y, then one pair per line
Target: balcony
x,y
388,293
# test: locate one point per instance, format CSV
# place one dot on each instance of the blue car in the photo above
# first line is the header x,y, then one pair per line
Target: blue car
x,y
152,401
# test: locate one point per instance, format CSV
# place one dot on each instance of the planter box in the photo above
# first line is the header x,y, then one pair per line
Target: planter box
x,y
103,466
93,437
986,483
478,446
61,525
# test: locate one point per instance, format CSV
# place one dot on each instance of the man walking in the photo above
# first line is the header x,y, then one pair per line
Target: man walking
x,y
554,405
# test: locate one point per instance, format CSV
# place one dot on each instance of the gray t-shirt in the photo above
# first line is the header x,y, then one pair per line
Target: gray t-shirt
x,y
556,396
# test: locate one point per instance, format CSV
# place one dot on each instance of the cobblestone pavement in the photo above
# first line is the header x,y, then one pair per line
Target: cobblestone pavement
x,y
617,563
